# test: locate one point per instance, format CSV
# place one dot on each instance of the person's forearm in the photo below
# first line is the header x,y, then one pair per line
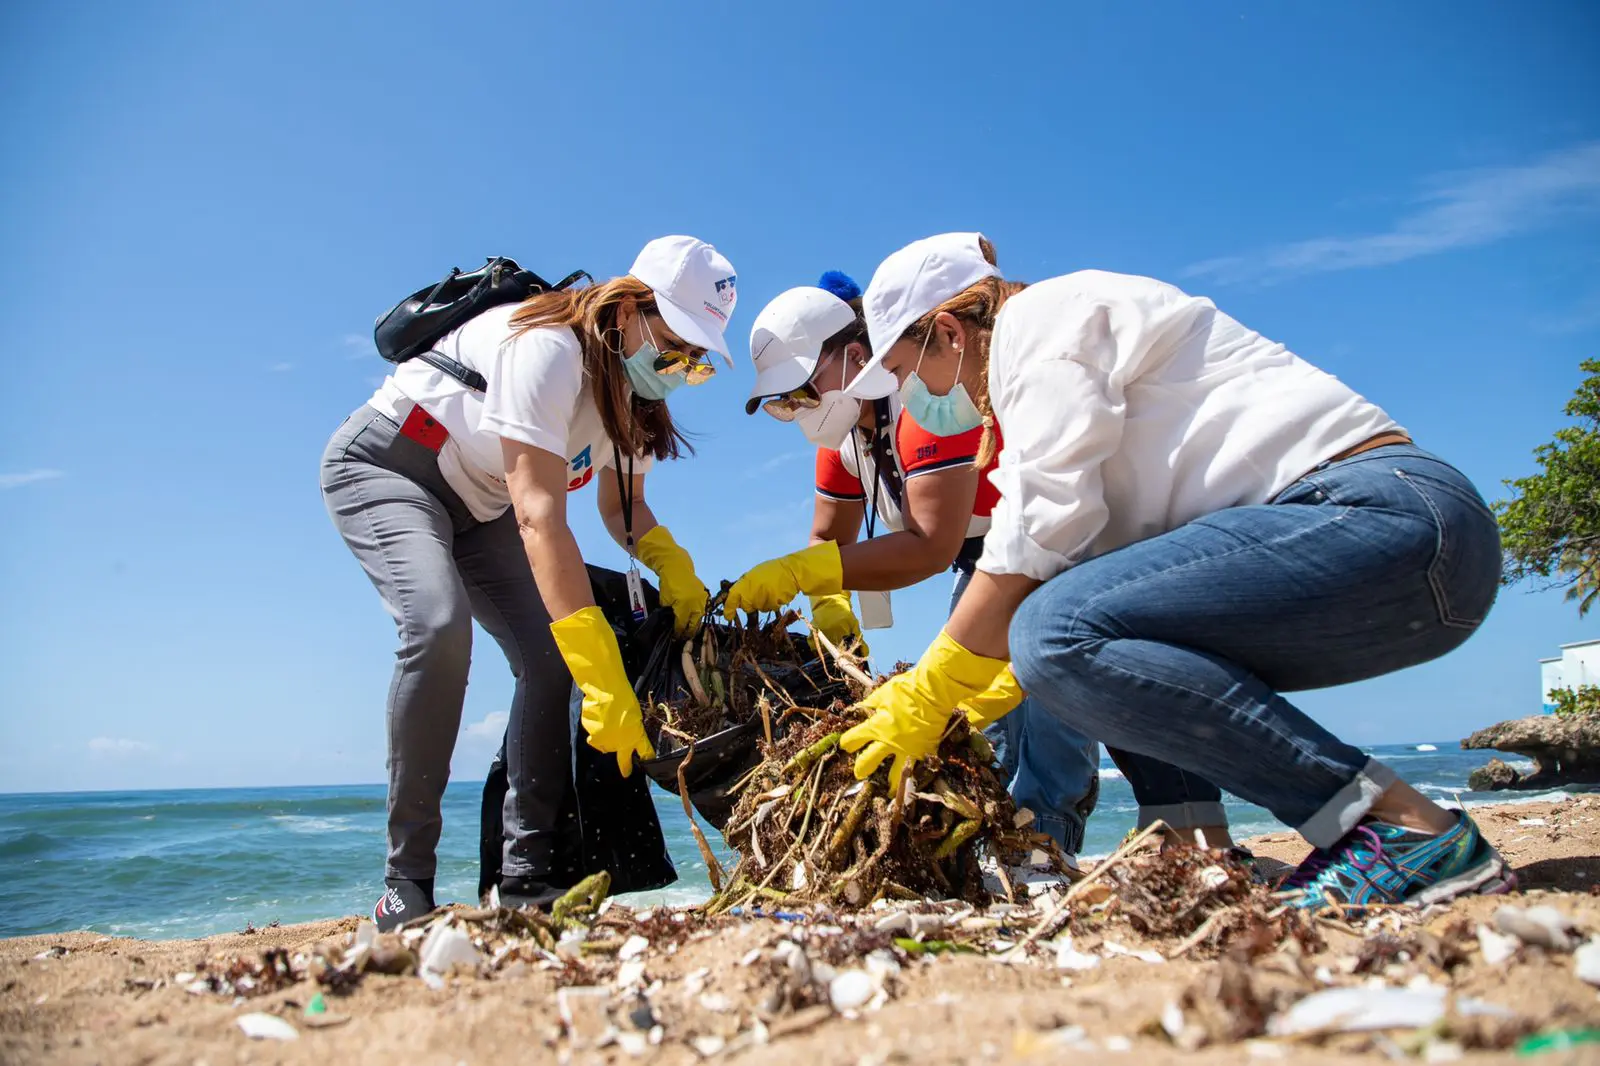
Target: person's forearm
x,y
893,561
558,568
644,520
981,622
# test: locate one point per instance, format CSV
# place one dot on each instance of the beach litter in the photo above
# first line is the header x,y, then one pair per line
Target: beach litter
x,y
266,1027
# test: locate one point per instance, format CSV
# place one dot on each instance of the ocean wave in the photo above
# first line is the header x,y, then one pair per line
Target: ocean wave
x,y
301,823
25,844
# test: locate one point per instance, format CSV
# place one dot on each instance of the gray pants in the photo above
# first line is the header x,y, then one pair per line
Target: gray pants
x,y
437,569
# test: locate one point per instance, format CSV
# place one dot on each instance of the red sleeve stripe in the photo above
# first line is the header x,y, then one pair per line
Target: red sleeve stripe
x,y
826,495
941,464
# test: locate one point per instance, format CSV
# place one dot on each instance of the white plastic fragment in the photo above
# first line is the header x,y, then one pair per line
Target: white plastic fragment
x,y
1543,927
882,964
632,948
366,934
445,947
1111,947
851,990
1586,962
1349,1010
694,982
1213,877
751,957
1069,958
632,1043
1172,1020
630,973
1496,947
266,1027
708,1046
1532,821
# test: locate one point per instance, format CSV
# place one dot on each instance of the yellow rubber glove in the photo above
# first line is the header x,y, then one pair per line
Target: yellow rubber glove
x,y
911,711
768,586
994,702
681,589
610,709
833,616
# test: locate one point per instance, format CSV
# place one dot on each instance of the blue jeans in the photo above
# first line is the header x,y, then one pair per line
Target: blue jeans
x,y
1049,765
1177,647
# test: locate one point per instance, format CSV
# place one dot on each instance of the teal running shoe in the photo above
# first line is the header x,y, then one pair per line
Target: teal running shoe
x,y
1377,862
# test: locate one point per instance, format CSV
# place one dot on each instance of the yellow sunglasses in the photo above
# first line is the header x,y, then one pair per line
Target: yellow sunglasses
x,y
695,371
786,406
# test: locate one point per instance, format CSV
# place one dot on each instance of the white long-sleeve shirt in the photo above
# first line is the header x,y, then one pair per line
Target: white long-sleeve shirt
x,y
1130,408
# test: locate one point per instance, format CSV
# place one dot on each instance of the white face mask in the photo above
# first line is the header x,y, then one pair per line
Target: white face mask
x,y
828,424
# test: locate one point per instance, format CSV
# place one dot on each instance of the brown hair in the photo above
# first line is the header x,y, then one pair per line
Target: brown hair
x,y
638,427
976,306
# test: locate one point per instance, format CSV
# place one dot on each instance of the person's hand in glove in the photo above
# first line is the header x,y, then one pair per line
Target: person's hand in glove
x,y
681,589
610,713
911,712
768,586
835,620
994,702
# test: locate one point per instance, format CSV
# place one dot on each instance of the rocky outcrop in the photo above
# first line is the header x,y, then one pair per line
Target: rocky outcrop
x,y
1565,749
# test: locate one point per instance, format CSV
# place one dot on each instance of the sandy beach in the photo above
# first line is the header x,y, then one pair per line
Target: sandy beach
x,y
85,998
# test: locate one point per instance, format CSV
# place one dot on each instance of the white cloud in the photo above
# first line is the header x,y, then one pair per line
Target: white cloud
x,y
357,346
28,477
491,728
119,747
281,368
1462,209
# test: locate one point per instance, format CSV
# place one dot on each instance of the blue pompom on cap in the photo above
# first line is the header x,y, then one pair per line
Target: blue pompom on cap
x,y
840,284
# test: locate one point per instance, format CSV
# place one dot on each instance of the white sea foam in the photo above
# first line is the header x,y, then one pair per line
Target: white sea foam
x,y
300,823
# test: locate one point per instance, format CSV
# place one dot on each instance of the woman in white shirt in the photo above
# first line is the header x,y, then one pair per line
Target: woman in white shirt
x,y
1193,520
454,501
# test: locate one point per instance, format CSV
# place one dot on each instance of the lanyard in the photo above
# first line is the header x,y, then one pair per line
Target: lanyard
x,y
625,492
885,469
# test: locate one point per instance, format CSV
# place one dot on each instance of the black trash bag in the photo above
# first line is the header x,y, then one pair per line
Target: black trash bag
x,y
608,822
723,758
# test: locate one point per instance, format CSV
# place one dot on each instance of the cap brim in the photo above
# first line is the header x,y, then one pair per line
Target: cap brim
x,y
692,329
781,378
874,382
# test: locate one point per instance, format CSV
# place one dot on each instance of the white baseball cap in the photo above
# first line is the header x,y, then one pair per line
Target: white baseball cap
x,y
694,286
787,337
912,282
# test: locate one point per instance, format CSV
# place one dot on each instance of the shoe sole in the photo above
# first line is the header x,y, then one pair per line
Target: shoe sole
x,y
1492,878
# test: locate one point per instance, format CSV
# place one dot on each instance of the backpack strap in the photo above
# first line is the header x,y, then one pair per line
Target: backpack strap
x,y
464,374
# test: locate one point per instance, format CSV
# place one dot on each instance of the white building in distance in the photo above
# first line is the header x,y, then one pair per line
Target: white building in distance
x,y
1578,664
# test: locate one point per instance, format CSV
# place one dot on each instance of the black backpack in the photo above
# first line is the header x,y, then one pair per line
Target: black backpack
x,y
411,328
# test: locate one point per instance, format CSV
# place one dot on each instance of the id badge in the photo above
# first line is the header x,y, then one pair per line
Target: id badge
x,y
635,592
876,610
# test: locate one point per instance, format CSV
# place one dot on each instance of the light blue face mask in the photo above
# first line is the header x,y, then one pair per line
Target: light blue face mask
x,y
949,415
642,376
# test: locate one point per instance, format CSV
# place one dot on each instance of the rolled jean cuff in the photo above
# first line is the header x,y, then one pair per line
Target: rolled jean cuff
x,y
1067,832
1348,806
1183,815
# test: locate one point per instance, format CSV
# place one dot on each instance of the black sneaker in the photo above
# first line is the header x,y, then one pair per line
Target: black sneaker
x,y
401,902
519,892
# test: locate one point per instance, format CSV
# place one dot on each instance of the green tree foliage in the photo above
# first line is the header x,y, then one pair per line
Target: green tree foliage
x,y
1550,527
1585,699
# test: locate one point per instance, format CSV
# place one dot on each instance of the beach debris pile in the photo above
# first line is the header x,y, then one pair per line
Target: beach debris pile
x,y
732,675
1229,964
806,831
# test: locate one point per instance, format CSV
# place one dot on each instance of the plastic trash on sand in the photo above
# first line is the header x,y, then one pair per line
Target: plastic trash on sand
x,y
266,1027
1350,1010
445,947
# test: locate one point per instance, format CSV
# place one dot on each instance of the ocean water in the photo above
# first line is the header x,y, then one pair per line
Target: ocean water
x,y
197,862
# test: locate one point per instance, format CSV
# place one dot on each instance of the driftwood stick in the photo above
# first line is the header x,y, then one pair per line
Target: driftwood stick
x,y
1116,859
713,868
850,669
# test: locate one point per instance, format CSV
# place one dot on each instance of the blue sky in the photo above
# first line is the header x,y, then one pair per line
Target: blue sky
x,y
206,205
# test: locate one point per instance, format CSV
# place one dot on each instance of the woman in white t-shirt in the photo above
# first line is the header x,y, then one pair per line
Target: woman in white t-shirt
x,y
455,503
1192,521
